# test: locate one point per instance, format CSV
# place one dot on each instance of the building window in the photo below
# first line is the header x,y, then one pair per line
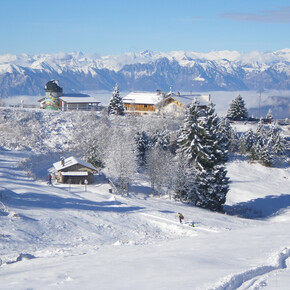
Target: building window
x,y
145,106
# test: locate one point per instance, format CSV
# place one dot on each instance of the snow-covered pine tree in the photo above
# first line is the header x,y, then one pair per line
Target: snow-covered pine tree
x,y
116,105
261,149
269,115
261,131
247,141
234,141
224,132
143,144
242,144
92,153
189,137
211,181
188,143
277,141
161,139
204,149
237,110
265,155
261,152
181,178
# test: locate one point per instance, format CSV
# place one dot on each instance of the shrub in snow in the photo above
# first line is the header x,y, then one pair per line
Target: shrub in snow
x,y
264,144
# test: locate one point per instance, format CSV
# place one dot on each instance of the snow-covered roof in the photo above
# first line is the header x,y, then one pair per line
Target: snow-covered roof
x,y
187,99
154,98
75,173
148,98
68,162
78,98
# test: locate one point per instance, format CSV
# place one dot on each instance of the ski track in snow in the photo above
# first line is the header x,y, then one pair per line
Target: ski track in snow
x,y
188,224
255,278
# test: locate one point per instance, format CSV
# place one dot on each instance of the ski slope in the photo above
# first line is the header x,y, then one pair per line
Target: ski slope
x,y
60,237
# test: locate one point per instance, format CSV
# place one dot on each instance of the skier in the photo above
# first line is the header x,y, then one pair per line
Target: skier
x,y
49,179
181,217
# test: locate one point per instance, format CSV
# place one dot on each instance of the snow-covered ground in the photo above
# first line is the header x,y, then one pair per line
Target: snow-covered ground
x,y
56,237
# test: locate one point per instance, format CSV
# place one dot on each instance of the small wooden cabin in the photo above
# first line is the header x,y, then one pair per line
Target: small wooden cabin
x,y
73,170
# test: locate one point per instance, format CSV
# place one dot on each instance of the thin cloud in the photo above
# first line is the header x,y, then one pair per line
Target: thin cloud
x,y
281,15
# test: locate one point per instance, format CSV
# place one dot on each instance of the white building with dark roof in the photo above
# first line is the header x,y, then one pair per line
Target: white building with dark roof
x,y
68,102
56,100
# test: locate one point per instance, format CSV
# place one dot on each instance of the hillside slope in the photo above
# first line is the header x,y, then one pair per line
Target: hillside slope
x,y
56,237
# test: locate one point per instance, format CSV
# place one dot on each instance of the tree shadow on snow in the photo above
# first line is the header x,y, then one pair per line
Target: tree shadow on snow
x,y
140,189
49,201
259,208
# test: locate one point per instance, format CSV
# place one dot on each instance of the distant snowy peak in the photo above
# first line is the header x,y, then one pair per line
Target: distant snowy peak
x,y
146,71
77,60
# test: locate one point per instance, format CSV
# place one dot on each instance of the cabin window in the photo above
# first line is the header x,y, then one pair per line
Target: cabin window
x,y
145,106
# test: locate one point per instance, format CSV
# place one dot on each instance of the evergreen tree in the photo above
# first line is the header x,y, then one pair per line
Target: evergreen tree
x,y
189,138
92,153
161,139
234,141
184,180
247,141
188,144
265,155
242,144
269,115
237,110
205,151
253,153
116,105
262,146
261,131
224,132
277,141
211,180
143,144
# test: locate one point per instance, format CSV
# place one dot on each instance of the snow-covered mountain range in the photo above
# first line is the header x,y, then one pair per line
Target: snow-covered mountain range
x,y
182,71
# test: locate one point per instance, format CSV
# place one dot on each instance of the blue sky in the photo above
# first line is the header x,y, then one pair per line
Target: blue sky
x,y
118,26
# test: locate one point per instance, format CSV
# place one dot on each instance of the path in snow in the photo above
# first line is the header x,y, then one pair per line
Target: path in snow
x,y
255,278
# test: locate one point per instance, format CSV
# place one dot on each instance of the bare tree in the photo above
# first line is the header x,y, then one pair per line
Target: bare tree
x,y
120,158
159,166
